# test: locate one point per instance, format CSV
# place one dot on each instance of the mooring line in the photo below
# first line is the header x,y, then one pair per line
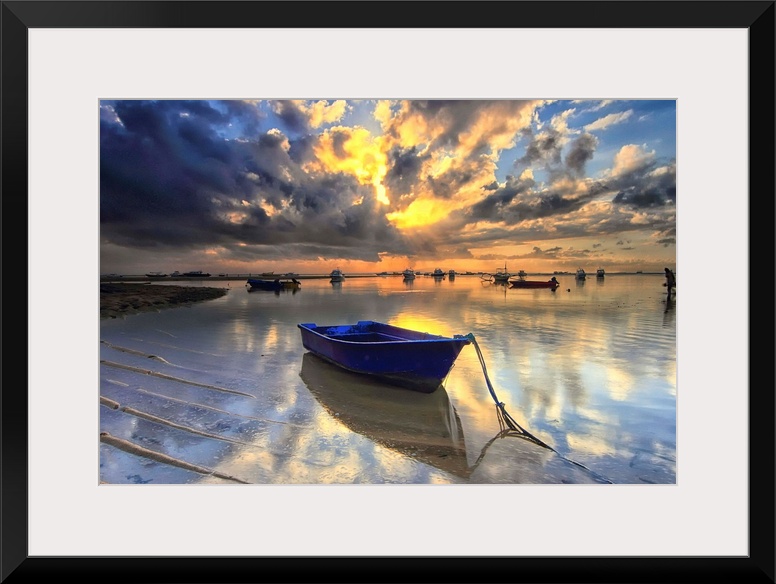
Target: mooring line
x,y
505,420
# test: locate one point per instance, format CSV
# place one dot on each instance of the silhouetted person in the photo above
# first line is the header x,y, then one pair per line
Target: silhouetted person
x,y
670,281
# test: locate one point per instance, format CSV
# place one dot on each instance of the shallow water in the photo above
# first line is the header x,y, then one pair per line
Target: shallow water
x,y
223,391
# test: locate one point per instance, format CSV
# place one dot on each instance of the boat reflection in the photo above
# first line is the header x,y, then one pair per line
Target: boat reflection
x,y
423,426
427,428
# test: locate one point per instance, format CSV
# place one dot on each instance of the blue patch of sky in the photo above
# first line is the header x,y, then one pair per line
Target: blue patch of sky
x,y
651,125
362,114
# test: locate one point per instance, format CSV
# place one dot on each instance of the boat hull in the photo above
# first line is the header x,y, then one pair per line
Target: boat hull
x,y
402,357
272,285
533,284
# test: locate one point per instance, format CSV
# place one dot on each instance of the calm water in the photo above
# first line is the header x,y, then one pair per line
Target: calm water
x,y
224,392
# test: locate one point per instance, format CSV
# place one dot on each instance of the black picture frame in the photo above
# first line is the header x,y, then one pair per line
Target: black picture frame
x,y
755,16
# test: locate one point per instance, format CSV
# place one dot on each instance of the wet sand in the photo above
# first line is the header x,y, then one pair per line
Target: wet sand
x,y
118,300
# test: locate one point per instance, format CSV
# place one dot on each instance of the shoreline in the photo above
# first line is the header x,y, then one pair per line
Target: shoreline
x,y
118,300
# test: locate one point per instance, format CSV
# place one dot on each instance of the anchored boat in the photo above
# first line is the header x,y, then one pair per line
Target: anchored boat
x,y
272,285
337,275
411,359
521,283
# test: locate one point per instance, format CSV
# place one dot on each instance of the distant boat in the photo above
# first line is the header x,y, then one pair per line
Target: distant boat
x,y
438,273
275,285
175,274
451,274
581,275
337,275
502,275
409,274
156,275
600,273
266,274
398,356
523,283
196,274
639,272
521,274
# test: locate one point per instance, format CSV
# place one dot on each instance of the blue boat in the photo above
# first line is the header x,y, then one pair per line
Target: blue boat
x,y
402,357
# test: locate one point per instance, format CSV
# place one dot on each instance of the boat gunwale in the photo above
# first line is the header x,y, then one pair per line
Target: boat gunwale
x,y
311,327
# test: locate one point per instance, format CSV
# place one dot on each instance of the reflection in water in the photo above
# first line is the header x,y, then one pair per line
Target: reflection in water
x,y
424,426
669,316
427,428
590,370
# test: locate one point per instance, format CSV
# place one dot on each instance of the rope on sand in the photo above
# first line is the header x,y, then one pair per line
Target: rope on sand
x,y
508,423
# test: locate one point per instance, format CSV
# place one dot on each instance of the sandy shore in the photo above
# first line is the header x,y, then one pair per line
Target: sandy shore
x,y
118,300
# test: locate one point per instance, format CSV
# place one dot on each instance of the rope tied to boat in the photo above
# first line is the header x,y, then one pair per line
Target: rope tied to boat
x,y
503,416
508,424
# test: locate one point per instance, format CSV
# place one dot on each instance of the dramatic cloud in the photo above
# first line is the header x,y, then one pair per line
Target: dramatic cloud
x,y
246,182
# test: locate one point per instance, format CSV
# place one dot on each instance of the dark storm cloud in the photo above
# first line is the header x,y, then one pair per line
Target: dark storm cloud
x,y
515,202
545,147
640,198
494,204
644,188
582,150
294,118
169,177
448,184
403,170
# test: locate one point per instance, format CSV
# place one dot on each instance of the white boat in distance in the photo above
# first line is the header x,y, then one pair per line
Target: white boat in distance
x,y
502,275
409,274
581,275
600,273
337,275
438,273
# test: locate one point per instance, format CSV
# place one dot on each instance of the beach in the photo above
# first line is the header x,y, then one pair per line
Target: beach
x,y
121,299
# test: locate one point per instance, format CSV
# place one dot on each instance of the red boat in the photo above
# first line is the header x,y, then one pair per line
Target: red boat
x,y
520,283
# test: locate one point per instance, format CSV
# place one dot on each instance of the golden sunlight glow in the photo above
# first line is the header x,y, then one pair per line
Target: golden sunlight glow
x,y
422,323
382,113
419,213
358,154
322,112
236,217
268,209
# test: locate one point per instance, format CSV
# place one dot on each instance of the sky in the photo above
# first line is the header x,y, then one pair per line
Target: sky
x,y
306,186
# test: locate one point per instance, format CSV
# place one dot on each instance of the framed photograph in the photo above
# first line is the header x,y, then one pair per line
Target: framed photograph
x,y
711,522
